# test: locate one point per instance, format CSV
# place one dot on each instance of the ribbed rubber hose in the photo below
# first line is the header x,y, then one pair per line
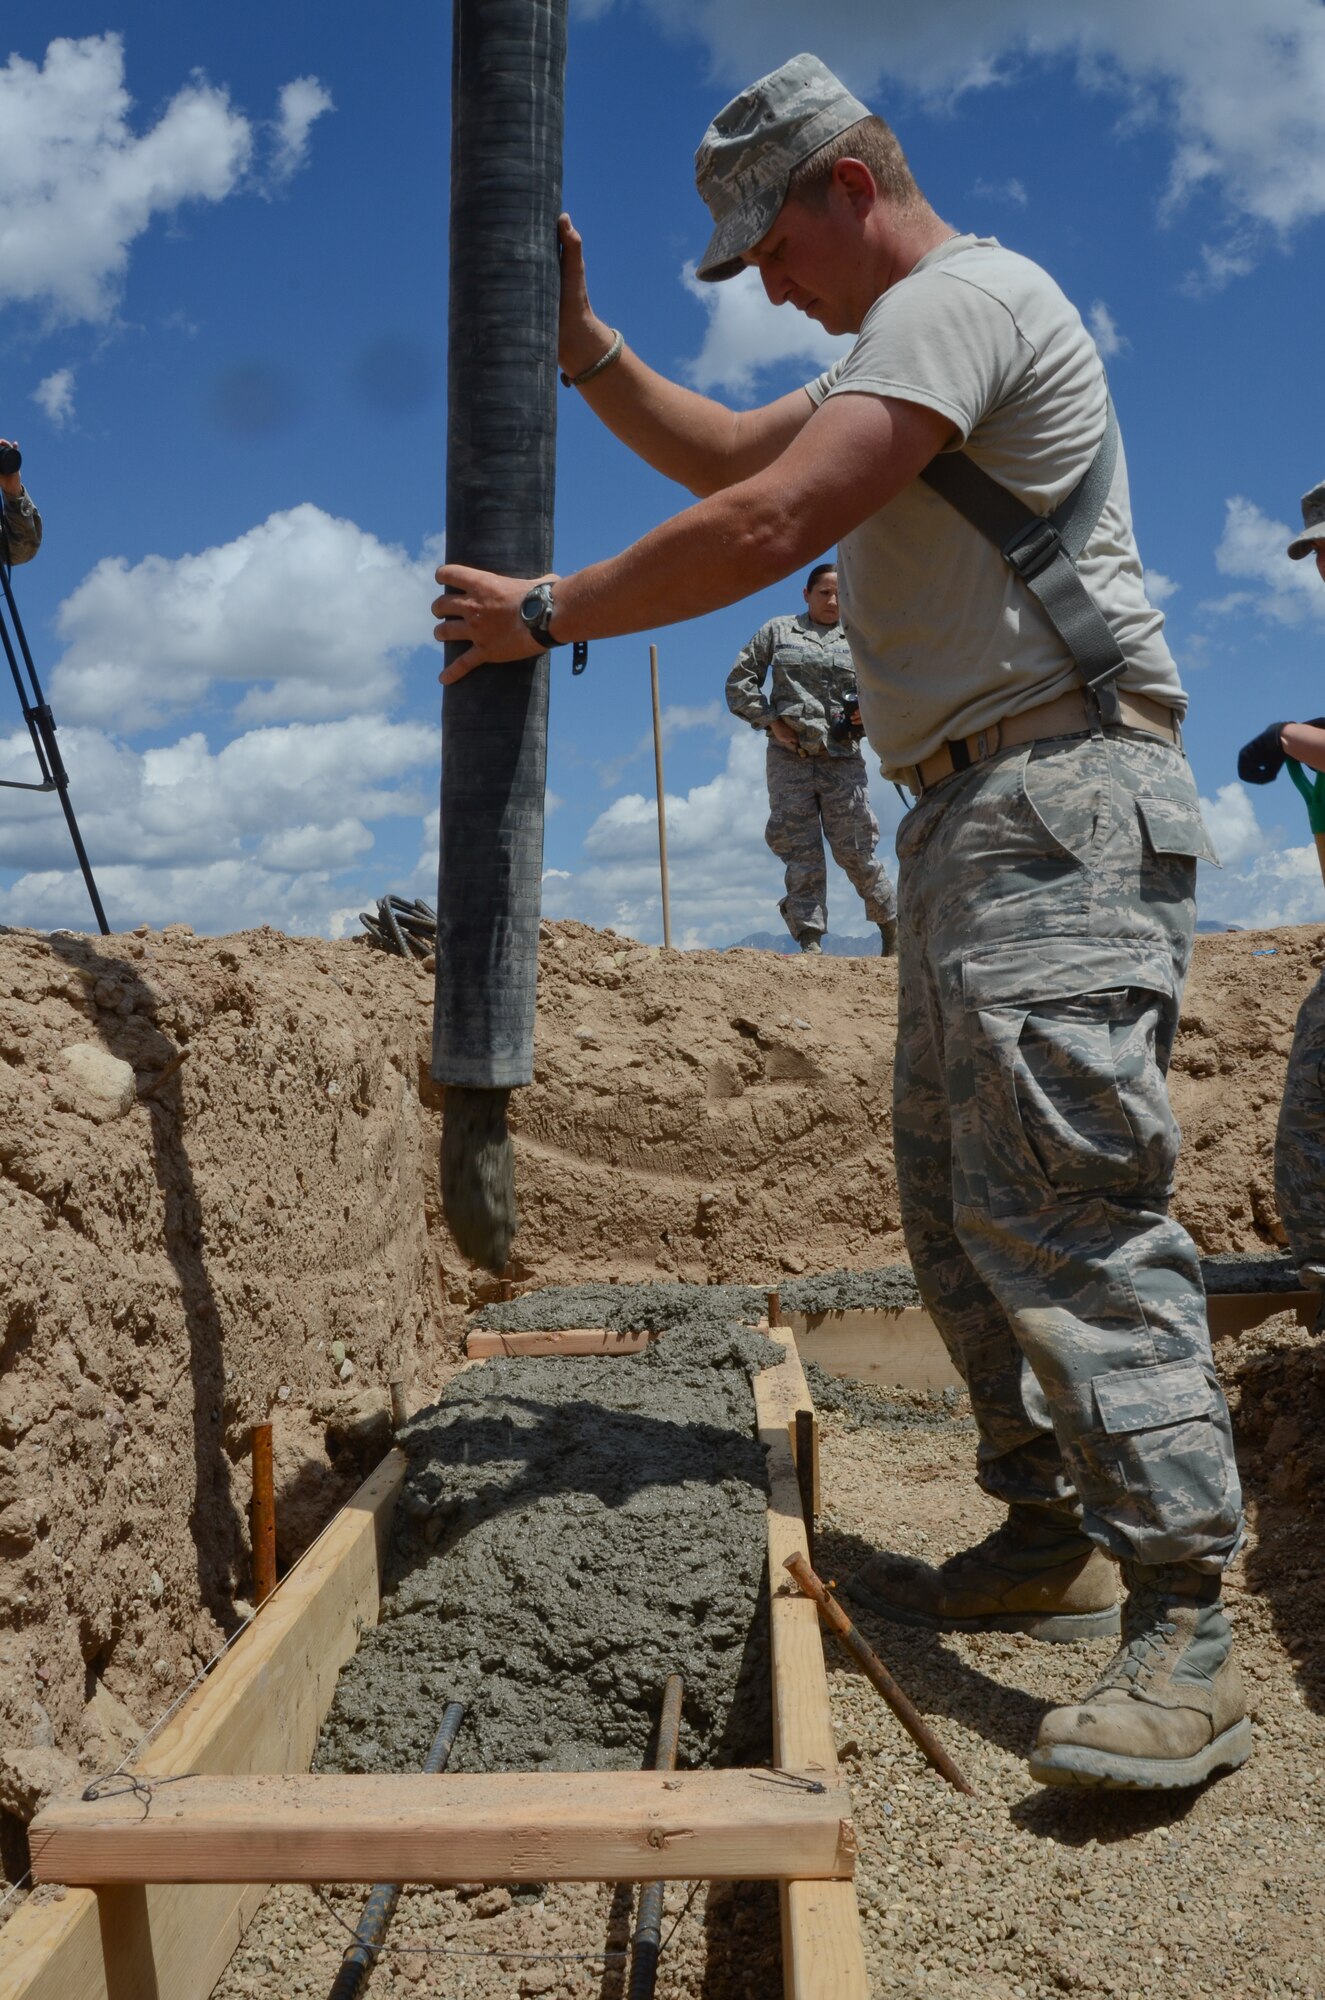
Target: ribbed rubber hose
x,y
507,110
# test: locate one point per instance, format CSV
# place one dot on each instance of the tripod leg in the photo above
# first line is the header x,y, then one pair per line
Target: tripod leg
x,y
41,726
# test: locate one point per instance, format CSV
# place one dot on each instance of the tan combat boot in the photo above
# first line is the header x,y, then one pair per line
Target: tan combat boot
x,y
1037,1573
1170,1709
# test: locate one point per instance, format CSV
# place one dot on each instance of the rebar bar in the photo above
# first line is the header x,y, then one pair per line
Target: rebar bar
x,y
647,1940
380,1907
912,1721
263,1520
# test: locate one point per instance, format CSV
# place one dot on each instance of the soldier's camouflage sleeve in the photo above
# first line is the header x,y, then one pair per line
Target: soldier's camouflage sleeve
x,y
745,682
21,528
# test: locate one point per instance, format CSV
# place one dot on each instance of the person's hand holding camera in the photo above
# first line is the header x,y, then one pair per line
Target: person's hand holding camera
x,y
10,461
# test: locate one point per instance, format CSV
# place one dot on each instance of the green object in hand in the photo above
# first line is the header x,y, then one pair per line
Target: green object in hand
x,y
1312,787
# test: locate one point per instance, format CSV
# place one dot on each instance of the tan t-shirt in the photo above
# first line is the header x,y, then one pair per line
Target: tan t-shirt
x,y
945,637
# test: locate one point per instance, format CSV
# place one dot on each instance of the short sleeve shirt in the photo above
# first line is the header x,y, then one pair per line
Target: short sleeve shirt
x,y
945,637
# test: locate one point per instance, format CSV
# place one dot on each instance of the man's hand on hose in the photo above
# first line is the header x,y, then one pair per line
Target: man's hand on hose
x,y
485,610
582,337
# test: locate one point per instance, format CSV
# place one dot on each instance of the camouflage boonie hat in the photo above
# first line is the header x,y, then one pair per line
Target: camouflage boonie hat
x,y
745,159
1313,524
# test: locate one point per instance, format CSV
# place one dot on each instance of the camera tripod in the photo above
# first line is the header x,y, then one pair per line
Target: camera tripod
x,y
41,728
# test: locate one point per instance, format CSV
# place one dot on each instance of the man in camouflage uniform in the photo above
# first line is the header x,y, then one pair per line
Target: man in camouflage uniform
x,y
816,774
1046,885
1299,1143
20,523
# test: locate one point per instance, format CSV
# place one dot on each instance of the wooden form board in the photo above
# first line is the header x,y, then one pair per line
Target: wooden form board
x,y
894,1350
522,1826
1237,1312
905,1350
482,1344
823,1956
259,1710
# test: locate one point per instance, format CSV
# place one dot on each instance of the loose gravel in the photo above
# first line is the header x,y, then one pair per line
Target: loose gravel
x,y
1018,1893
1022,1893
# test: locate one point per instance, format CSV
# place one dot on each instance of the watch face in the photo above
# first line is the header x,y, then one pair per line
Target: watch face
x,y
534,607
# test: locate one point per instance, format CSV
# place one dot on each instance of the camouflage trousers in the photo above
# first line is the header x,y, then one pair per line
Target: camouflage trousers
x,y
1047,917
809,797
1299,1142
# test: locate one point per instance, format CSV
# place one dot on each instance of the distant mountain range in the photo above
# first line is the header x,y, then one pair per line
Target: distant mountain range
x,y
864,947
834,947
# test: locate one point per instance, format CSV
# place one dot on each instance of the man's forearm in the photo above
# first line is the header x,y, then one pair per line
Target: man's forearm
x,y
1304,743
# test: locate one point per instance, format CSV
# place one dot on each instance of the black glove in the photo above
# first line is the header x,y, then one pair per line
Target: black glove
x,y
1261,760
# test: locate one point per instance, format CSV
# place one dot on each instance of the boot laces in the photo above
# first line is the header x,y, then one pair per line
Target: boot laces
x,y
1146,1635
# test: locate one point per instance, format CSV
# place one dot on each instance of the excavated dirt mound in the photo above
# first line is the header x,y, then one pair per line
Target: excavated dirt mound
x,y
259,1236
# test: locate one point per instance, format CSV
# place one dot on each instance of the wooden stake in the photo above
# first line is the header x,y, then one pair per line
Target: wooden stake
x,y
912,1721
399,1407
263,1516
662,799
805,1473
774,1308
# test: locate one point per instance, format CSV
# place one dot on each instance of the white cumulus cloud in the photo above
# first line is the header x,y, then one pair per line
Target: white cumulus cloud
x,y
1254,547
1236,90
1104,331
301,104
80,185
746,334
309,613
55,395
1264,881
1160,588
1011,191
255,832
724,883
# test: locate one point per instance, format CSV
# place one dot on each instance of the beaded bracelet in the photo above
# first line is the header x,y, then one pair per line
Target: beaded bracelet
x,y
595,367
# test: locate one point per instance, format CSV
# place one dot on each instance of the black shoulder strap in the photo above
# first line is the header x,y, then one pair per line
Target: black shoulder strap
x,y
1043,550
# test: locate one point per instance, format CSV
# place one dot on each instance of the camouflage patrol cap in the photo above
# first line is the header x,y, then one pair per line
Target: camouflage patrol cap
x,y
745,158
1313,524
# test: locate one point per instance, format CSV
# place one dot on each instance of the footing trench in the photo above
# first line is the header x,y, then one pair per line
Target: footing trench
x,y
539,1496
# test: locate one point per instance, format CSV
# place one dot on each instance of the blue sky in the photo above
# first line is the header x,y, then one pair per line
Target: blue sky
x,y
222,315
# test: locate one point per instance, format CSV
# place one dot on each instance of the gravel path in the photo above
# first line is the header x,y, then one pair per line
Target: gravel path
x,y
1020,1892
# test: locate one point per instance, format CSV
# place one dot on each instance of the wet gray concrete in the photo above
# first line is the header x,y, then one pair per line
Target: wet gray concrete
x,y
886,1409
643,1308
1274,1272
570,1532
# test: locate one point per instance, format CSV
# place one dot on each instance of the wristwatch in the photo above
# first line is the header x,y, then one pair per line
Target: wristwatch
x,y
536,612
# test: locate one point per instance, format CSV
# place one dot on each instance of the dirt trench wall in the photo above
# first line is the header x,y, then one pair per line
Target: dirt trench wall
x,y
173,1271
176,1269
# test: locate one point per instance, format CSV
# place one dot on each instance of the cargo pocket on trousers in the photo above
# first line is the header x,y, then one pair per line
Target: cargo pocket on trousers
x,y
1066,1100
1175,826
1159,1442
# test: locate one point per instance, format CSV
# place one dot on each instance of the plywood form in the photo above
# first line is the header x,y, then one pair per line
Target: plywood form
x,y
260,1710
482,1344
823,1957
